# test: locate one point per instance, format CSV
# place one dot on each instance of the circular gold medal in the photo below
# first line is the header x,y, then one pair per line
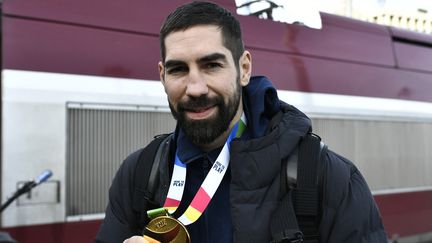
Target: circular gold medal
x,y
167,229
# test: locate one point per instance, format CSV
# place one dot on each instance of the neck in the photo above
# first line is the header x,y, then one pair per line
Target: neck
x,y
220,141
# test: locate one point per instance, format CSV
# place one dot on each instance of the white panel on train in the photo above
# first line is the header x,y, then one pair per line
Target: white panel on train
x,y
34,130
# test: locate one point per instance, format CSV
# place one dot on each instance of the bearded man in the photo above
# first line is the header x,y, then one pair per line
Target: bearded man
x,y
225,156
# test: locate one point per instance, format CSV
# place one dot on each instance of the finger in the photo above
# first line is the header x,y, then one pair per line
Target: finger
x,y
137,239
150,240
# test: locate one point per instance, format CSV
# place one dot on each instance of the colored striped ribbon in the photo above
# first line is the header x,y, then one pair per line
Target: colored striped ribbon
x,y
209,185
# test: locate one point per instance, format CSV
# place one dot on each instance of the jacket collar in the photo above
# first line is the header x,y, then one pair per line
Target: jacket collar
x,y
285,130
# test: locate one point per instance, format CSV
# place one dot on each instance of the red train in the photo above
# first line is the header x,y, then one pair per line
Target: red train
x,y
80,91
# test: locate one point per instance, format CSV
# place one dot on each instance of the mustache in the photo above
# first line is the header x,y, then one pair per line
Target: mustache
x,y
199,103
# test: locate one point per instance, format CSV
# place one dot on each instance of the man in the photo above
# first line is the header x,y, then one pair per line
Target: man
x,y
206,74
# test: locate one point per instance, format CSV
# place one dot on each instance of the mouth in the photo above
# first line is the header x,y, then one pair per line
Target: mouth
x,y
200,113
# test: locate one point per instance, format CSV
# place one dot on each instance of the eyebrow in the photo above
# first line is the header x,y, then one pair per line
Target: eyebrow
x,y
208,58
212,57
173,63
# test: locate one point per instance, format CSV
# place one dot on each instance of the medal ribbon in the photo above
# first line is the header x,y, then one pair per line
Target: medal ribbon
x,y
209,185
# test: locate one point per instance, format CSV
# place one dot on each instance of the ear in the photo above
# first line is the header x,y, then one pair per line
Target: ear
x,y
245,65
161,72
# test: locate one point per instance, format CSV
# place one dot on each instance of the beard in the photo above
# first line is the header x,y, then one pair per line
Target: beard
x,y
207,130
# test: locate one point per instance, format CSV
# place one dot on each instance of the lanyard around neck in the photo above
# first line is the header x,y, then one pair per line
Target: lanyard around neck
x,y
209,185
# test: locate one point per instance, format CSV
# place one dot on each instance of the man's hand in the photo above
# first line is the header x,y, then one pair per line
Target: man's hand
x,y
140,239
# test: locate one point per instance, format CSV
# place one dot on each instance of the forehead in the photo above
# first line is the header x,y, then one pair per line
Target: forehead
x,y
195,42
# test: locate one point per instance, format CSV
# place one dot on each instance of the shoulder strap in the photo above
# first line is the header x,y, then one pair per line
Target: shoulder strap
x,y
307,192
146,173
297,217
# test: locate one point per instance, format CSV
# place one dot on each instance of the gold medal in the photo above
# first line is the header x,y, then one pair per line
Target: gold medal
x,y
167,229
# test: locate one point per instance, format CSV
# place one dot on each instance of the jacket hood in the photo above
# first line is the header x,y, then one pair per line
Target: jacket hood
x,y
268,117
260,104
284,130
261,155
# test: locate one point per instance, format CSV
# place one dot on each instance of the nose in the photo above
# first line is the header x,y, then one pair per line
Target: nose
x,y
196,84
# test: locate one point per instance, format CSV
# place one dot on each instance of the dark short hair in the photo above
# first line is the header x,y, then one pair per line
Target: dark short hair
x,y
204,13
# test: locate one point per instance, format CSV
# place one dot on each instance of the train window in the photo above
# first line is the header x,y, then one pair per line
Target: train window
x,y
98,140
291,12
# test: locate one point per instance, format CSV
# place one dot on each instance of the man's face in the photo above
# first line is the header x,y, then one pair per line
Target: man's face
x,y
202,82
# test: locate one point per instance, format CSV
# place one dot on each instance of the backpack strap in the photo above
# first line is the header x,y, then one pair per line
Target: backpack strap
x,y
297,217
306,195
145,178
284,226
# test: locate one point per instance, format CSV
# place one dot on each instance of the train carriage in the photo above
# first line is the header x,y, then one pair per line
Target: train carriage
x,y
80,91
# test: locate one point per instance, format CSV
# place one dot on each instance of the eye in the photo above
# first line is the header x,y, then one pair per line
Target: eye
x,y
213,65
177,70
